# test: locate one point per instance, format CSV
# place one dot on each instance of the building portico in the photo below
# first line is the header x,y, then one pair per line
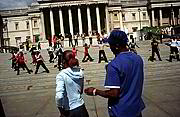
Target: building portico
x,y
74,17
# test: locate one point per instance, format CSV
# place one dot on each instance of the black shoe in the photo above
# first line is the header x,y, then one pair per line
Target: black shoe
x,y
47,71
169,60
160,60
92,60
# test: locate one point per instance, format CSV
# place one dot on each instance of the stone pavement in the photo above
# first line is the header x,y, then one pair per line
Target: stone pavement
x,y
29,95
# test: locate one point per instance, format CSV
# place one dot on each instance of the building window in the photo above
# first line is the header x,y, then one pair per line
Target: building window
x,y
115,16
123,17
35,23
134,16
17,26
27,25
134,29
18,41
144,15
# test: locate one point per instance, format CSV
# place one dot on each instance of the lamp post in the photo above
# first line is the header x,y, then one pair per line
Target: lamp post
x,y
139,10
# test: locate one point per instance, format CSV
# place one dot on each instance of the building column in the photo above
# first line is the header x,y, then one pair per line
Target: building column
x,y
42,33
107,20
80,21
120,19
70,21
172,19
160,17
153,20
61,22
52,24
31,31
89,20
112,24
98,20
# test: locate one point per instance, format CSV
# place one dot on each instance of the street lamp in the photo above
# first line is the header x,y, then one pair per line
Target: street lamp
x,y
139,10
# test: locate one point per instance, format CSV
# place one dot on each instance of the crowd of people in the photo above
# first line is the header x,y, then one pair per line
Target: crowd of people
x,y
124,74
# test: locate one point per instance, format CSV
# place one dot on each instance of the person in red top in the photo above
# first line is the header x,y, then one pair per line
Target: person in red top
x,y
86,53
74,51
21,62
40,61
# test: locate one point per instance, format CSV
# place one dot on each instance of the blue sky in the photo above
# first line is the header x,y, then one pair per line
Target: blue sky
x,y
8,4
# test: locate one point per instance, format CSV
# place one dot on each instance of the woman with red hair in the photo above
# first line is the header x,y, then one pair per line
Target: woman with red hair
x,y
69,88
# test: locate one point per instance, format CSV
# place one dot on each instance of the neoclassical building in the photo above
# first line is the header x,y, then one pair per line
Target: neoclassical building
x,y
53,17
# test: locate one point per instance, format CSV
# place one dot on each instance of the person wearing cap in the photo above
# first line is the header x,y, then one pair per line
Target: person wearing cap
x,y
124,79
40,61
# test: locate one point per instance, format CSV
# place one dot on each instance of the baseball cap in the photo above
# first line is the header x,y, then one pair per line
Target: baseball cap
x,y
117,37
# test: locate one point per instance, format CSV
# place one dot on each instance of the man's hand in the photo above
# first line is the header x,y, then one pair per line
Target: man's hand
x,y
89,91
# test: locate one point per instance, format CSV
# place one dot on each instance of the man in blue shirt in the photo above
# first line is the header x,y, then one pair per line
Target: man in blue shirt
x,y
124,79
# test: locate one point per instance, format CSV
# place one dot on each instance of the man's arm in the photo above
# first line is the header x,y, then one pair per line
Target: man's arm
x,y
111,93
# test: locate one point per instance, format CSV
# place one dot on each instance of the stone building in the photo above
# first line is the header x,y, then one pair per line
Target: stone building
x,y
53,17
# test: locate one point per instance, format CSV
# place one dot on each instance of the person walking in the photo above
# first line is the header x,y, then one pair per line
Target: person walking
x,y
124,79
69,88
59,55
32,50
90,38
132,45
21,63
83,36
70,40
51,54
155,49
174,49
55,41
86,53
39,45
76,37
40,61
13,60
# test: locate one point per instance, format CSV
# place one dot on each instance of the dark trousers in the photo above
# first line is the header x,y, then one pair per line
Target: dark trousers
x,y
13,64
89,57
23,65
60,62
70,43
76,42
2,114
174,50
77,112
157,53
90,40
51,56
55,46
42,64
101,52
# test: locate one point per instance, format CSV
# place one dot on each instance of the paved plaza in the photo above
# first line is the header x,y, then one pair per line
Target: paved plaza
x,y
30,95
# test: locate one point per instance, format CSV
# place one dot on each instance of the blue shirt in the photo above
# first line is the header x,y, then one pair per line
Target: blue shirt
x,y
69,88
126,72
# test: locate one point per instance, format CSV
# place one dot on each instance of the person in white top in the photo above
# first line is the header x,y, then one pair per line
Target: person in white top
x,y
69,88
40,61
174,49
